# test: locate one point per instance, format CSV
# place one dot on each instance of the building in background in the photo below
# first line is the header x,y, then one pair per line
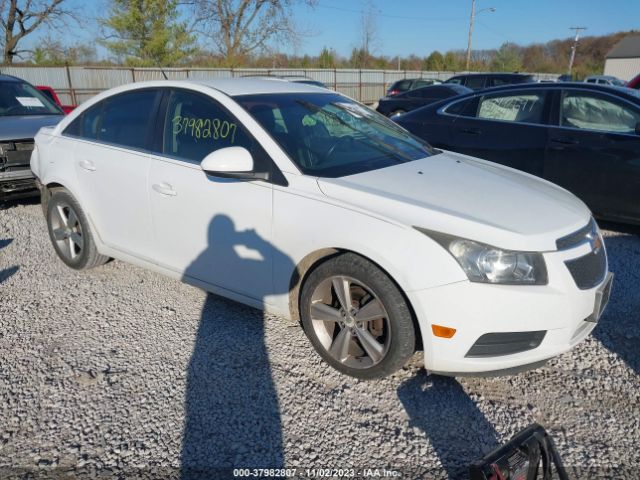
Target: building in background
x,y
623,61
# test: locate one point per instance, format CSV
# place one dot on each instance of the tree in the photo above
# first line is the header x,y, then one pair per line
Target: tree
x,y
434,62
326,58
507,59
239,28
368,33
53,52
19,18
147,33
452,62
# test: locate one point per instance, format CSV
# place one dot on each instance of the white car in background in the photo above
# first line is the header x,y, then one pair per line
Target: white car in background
x,y
301,201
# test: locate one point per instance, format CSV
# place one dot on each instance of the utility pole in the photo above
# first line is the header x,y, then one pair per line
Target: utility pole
x,y
574,47
471,20
473,16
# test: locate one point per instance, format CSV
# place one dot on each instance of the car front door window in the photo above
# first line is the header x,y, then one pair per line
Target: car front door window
x,y
196,126
589,112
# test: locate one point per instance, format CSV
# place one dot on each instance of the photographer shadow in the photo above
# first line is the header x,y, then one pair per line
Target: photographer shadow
x,y
232,411
457,430
6,273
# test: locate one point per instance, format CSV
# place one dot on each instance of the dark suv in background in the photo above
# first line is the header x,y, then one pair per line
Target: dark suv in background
x,y
23,111
407,84
478,81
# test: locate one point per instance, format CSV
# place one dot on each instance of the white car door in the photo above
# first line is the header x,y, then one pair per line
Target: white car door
x,y
112,168
216,230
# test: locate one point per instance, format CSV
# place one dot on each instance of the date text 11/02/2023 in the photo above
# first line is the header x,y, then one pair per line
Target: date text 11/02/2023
x,y
213,128
350,473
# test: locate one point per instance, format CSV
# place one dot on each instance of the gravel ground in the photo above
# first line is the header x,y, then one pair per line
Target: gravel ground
x,y
122,372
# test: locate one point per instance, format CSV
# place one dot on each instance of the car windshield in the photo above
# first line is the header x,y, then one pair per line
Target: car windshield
x,y
328,135
20,98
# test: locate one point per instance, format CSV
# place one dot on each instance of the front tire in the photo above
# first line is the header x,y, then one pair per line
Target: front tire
x,y
70,232
356,317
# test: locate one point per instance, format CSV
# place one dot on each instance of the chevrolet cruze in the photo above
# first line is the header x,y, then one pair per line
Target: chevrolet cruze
x,y
302,202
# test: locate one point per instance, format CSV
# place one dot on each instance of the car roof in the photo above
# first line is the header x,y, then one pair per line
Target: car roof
x,y
620,91
253,86
9,78
493,74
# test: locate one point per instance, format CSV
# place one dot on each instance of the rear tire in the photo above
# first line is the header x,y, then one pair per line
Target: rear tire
x,y
70,232
356,317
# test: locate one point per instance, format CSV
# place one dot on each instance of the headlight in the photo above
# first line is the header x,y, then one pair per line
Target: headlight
x,y
487,264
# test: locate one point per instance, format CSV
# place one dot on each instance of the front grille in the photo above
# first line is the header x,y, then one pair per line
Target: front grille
x,y
577,238
15,155
589,270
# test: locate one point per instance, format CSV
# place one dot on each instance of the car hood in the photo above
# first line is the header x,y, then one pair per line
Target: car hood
x,y
466,197
25,126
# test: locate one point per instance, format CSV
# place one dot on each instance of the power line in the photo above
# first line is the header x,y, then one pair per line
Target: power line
x,y
379,13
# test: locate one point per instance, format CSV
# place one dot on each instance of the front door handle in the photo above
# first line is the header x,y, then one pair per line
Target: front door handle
x,y
471,131
87,165
565,141
165,189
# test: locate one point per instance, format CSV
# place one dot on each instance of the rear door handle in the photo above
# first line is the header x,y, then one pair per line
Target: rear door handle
x,y
87,165
471,131
164,188
565,141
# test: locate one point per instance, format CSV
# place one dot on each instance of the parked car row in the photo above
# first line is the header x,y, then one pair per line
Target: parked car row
x,y
582,136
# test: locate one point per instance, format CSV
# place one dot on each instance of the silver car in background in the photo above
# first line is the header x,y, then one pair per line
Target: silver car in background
x,y
23,111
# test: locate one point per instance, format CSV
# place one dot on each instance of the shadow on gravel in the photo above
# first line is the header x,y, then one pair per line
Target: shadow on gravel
x,y
619,328
458,431
7,272
232,412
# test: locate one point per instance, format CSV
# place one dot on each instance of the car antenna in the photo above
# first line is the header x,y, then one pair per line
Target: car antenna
x,y
164,74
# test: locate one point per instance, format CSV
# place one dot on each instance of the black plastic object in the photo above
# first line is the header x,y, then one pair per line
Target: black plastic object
x,y
529,455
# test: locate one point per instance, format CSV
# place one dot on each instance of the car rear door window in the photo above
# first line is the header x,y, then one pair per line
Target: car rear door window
x,y
475,82
196,125
514,107
588,111
124,120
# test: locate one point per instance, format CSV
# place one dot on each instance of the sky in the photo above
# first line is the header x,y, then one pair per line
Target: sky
x,y
421,26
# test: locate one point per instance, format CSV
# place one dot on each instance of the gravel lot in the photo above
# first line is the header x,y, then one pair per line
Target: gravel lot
x,y
122,372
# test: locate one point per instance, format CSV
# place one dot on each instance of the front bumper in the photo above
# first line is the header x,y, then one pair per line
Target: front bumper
x,y
17,184
560,308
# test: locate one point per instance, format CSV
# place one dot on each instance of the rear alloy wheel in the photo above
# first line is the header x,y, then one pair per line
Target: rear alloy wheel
x,y
356,318
70,233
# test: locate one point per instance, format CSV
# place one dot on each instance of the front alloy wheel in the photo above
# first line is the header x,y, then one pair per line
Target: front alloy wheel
x,y
350,322
356,317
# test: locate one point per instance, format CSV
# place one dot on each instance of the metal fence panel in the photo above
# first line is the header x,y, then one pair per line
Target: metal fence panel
x,y
74,85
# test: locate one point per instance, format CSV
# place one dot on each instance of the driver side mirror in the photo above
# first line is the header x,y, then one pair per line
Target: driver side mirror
x,y
232,162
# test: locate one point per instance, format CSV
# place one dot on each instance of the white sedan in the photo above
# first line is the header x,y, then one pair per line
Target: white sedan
x,y
302,202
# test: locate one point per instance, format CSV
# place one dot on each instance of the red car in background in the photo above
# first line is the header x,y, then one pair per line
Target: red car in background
x,y
634,82
53,96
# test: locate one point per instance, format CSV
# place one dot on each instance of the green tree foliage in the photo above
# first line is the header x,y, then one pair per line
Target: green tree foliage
x,y
52,52
326,58
508,58
147,33
434,62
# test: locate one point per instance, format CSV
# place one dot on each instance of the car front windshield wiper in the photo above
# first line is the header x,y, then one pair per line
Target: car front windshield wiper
x,y
378,144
